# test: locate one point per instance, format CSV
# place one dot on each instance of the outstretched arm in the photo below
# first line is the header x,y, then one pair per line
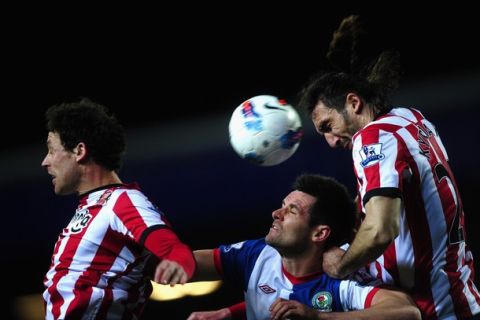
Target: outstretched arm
x,y
177,264
380,227
386,304
206,269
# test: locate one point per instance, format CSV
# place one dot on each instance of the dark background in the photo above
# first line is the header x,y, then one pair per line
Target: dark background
x,y
173,77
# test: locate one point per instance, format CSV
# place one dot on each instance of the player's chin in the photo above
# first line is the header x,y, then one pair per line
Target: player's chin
x,y
270,238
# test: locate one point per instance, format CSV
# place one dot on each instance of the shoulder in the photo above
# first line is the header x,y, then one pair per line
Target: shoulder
x,y
251,246
132,194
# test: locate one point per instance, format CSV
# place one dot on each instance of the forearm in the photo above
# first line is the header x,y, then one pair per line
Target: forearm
x,y
380,227
206,270
365,248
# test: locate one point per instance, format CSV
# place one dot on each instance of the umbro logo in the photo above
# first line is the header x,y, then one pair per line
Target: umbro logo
x,y
266,288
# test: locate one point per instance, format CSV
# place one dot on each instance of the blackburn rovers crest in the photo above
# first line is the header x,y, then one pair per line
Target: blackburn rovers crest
x,y
322,301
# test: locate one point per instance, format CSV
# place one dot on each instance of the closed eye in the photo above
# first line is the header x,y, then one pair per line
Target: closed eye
x,y
324,127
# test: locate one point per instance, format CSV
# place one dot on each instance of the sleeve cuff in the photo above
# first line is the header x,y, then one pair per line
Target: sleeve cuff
x,y
217,259
238,311
384,192
371,294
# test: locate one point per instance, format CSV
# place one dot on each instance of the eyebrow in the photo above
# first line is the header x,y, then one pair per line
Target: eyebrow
x,y
292,205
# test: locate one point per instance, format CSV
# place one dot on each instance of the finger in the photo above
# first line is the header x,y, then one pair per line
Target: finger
x,y
183,278
279,310
175,277
165,272
275,303
178,276
284,310
159,271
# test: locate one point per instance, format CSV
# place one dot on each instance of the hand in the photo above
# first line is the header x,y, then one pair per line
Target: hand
x,y
170,272
220,314
291,309
331,262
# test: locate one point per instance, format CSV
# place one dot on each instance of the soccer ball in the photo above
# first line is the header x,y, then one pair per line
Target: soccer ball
x,y
265,130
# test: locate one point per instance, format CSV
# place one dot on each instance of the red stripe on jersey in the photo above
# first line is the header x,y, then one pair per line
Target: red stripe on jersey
x,y
422,245
390,262
133,297
217,260
129,215
63,267
378,267
452,207
372,172
371,294
101,263
417,115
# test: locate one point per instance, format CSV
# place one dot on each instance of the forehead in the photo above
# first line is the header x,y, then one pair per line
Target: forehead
x,y
300,199
53,138
322,112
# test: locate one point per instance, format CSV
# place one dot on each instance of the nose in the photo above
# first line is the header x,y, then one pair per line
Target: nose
x,y
277,214
332,140
45,161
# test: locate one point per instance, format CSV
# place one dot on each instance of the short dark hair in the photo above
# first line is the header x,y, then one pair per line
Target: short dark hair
x,y
334,206
91,123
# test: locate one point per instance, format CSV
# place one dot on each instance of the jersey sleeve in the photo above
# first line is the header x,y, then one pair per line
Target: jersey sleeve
x,y
380,161
238,311
164,244
357,292
235,262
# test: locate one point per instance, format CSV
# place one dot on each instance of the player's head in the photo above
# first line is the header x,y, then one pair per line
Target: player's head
x,y
319,210
359,83
81,132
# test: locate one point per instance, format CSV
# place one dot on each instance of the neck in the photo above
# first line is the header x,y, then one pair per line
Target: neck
x,y
367,116
310,261
95,176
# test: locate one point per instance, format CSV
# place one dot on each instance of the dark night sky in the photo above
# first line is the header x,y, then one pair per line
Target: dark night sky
x,y
152,70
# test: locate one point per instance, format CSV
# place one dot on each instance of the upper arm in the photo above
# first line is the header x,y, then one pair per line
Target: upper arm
x,y
383,214
205,269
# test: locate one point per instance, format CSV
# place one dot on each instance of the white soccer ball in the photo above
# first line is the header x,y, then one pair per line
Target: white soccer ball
x,y
265,130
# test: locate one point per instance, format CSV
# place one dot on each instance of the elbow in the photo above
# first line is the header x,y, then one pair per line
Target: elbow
x,y
384,236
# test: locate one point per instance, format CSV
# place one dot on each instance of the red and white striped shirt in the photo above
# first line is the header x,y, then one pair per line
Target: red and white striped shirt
x,y
401,154
100,263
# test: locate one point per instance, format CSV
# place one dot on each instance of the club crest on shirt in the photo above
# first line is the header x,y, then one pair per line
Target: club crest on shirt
x,y
371,154
79,221
322,301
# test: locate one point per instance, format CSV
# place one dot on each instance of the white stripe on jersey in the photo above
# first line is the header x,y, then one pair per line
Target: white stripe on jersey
x,y
353,294
259,308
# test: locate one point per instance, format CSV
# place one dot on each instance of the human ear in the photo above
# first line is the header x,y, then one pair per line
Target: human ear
x,y
355,102
81,152
321,233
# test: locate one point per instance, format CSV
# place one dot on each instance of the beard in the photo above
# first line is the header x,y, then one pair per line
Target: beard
x,y
288,246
